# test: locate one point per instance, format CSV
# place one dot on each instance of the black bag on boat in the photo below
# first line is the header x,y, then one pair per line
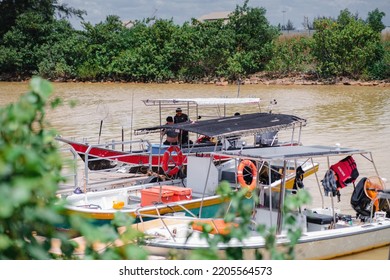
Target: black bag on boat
x,y
298,182
359,200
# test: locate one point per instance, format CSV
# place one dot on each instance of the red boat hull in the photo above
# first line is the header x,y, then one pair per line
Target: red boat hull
x,y
103,158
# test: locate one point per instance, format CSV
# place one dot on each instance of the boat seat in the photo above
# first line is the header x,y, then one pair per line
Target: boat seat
x,y
319,219
318,222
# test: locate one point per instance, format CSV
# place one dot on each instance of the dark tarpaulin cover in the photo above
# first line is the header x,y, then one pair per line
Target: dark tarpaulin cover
x,y
246,124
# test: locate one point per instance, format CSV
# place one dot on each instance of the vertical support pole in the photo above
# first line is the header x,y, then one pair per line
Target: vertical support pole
x,y
281,199
123,140
100,130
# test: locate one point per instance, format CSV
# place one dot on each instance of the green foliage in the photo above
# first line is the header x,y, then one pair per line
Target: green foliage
x,y
102,241
99,46
59,55
253,37
34,46
10,10
35,42
150,50
188,56
154,57
346,47
30,172
375,20
291,55
381,69
212,43
24,39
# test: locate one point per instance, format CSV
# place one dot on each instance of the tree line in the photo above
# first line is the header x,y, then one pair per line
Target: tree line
x,y
36,38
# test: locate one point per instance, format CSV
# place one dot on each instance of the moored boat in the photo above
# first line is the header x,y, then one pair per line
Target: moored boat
x,y
194,195
141,153
217,134
326,232
201,200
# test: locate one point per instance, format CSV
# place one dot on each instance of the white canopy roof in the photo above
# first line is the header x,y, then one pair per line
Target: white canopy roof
x,y
292,152
201,101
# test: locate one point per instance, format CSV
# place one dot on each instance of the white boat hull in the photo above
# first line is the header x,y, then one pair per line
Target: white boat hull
x,y
326,244
343,242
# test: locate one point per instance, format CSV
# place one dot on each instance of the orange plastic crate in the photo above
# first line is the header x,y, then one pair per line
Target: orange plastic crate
x,y
154,196
179,193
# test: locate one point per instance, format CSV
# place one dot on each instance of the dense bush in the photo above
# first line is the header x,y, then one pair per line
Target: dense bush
x,y
291,55
157,50
30,173
346,46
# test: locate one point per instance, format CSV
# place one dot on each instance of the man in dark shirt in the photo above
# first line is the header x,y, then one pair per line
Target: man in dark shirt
x,y
179,118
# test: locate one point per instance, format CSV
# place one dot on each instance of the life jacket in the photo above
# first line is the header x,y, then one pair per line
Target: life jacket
x,y
346,171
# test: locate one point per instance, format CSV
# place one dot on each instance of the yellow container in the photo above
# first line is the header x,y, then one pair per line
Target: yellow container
x,y
118,204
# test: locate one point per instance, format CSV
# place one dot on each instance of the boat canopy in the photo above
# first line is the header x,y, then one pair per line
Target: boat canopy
x,y
241,125
292,152
192,106
201,101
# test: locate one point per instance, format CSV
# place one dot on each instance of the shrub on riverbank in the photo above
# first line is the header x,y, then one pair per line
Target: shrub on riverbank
x,y
160,51
30,173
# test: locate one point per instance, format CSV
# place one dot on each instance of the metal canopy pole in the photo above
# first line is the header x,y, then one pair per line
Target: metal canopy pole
x,y
270,192
318,184
281,199
331,196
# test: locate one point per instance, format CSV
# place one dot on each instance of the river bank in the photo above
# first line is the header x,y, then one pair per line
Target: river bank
x,y
263,78
302,79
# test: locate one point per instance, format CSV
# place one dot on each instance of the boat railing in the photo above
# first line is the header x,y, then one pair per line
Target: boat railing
x,y
178,216
146,149
170,222
116,158
93,180
139,211
69,171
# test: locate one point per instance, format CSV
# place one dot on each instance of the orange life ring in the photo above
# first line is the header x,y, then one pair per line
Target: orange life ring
x,y
166,159
240,174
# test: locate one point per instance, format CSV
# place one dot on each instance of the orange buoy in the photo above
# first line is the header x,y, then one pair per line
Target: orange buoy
x,y
240,174
178,162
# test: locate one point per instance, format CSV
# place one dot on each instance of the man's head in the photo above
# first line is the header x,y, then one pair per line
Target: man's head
x,y
169,119
179,111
